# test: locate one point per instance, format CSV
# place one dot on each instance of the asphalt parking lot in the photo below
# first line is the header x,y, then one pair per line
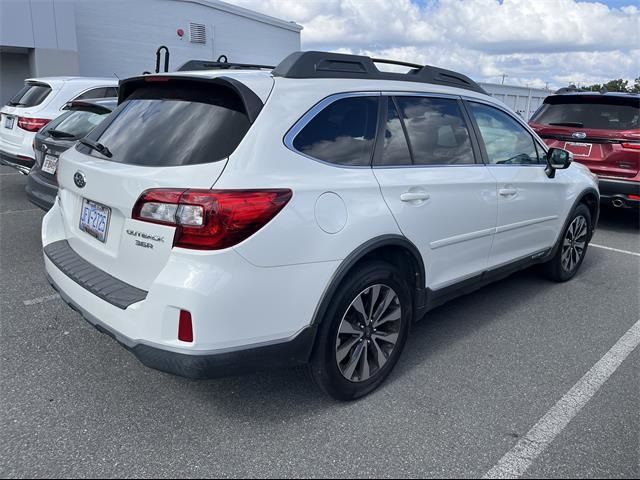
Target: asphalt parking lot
x,y
477,375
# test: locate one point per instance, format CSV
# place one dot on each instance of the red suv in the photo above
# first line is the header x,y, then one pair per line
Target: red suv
x,y
603,132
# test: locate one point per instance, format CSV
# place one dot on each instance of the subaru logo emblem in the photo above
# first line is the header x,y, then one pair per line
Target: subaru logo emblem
x,y
579,135
79,179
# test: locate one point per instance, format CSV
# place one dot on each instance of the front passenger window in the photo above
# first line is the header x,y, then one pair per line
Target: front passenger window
x,y
506,141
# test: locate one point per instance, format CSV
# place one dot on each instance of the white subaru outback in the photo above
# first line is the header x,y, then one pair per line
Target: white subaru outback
x,y
234,217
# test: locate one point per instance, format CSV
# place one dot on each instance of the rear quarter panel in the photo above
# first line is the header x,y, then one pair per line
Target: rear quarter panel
x,y
354,207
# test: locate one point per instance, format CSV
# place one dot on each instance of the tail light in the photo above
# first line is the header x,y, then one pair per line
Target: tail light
x,y
632,146
32,124
210,219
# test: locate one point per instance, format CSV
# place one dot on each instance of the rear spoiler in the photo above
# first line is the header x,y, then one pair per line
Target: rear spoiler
x,y
88,106
251,102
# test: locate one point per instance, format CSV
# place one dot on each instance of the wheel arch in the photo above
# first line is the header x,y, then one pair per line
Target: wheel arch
x,y
591,198
395,249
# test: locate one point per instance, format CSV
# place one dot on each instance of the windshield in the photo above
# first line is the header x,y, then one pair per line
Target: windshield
x,y
174,126
605,113
31,95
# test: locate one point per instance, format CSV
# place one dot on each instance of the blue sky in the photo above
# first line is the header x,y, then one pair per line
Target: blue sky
x,y
533,42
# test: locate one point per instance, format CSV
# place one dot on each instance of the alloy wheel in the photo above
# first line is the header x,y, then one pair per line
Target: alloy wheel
x,y
368,333
574,243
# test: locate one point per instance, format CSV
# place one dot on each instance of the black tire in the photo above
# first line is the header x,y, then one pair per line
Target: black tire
x,y
324,366
556,269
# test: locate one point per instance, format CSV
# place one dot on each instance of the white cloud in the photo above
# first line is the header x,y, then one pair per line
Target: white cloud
x,y
532,41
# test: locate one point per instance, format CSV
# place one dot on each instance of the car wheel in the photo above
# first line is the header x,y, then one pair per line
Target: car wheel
x,y
573,246
363,332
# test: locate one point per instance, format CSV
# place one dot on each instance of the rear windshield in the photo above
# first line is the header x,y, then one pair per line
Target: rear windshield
x,y
598,112
171,126
76,124
31,95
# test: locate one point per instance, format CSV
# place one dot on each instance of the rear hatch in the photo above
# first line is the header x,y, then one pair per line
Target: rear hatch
x,y
602,130
31,98
173,132
63,132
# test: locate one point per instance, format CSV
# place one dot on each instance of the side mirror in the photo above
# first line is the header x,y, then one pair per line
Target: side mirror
x,y
558,159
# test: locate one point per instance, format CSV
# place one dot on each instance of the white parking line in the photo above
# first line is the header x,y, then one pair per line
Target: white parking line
x,y
46,298
614,249
516,462
5,174
22,211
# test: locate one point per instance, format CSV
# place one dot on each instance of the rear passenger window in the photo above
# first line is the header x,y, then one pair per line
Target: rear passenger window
x,y
506,141
437,131
111,92
343,133
395,150
93,93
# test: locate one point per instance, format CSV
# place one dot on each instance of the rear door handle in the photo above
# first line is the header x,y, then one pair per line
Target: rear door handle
x,y
508,192
414,196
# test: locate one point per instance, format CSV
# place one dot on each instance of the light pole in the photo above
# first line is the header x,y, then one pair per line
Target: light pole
x,y
503,77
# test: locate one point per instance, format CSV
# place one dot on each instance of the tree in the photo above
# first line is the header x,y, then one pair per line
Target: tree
x,y
618,85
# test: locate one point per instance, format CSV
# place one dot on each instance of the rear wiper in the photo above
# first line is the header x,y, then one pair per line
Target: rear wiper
x,y
568,124
96,146
59,133
15,104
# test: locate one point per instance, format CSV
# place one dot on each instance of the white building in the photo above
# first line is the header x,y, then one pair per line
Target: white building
x,y
522,100
120,37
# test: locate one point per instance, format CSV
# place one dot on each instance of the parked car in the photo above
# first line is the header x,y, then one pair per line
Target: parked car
x,y
80,118
36,104
225,220
602,130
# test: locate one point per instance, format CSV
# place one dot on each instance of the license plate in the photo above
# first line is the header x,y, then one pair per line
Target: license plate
x,y
8,122
579,149
50,164
94,219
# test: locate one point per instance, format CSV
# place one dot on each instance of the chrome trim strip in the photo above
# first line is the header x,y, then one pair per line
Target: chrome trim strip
x,y
409,93
526,223
445,242
465,237
528,165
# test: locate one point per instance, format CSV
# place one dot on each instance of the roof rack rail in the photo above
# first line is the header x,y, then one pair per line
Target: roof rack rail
x,y
570,89
337,65
221,64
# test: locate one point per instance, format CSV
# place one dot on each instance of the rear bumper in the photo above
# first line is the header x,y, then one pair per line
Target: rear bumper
x,y
19,156
616,192
40,192
234,361
245,318
21,163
